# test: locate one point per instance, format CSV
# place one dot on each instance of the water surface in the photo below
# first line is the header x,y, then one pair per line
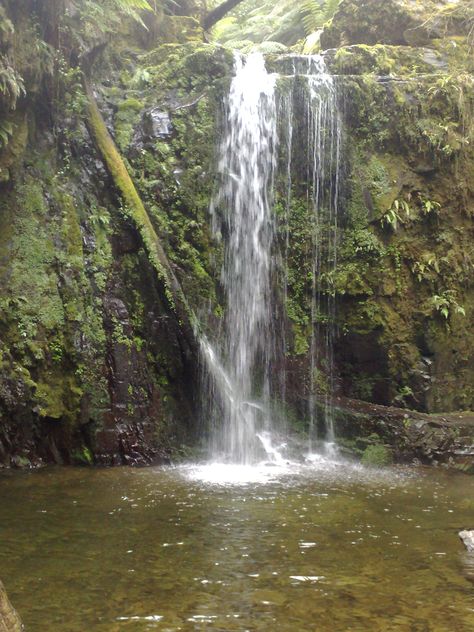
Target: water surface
x,y
329,547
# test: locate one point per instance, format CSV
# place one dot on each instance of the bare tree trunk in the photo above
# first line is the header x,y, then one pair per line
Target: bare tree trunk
x,y
218,13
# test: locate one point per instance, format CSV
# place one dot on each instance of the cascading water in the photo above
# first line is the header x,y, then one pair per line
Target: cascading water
x,y
310,119
243,382
324,144
242,210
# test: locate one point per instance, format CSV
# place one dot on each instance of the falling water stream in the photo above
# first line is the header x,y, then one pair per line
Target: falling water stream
x,y
242,209
241,386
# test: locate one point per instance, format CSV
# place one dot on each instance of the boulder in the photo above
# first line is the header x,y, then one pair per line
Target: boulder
x,y
410,435
9,619
468,539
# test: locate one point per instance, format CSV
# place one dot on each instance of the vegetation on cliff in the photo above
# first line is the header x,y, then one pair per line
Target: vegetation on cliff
x,y
92,362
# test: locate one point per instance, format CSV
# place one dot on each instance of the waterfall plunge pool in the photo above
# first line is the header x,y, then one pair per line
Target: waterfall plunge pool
x,y
327,546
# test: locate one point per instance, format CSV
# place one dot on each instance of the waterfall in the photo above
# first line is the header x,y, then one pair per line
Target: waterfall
x,y
324,145
242,210
244,380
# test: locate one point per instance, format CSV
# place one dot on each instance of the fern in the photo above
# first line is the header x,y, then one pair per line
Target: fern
x,y
311,15
314,13
11,85
104,16
6,132
132,8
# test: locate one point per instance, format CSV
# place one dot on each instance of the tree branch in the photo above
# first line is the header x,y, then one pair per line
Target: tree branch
x,y
218,13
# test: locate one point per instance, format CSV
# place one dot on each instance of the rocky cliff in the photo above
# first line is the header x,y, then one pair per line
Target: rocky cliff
x,y
93,366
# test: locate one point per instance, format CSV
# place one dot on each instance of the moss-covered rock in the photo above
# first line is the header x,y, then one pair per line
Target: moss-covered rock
x,y
92,363
379,434
402,276
393,22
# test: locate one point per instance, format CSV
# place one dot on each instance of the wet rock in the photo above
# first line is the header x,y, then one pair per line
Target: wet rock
x,y
410,435
126,242
157,124
468,539
9,619
431,58
88,242
117,308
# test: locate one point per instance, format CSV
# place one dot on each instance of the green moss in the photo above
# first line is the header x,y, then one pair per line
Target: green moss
x,y
33,282
10,157
353,279
361,59
175,180
301,340
135,210
58,398
126,121
376,456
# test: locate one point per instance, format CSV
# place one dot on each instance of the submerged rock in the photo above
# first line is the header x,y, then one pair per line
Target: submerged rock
x,y
468,539
9,619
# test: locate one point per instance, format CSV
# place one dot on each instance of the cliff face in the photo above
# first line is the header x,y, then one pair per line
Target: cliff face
x,y
405,273
92,361
92,358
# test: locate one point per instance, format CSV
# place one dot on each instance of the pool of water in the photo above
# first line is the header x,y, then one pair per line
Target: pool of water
x,y
326,547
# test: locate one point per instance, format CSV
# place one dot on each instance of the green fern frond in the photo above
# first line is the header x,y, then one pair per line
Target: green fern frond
x,y
330,8
311,15
315,13
132,8
6,132
11,85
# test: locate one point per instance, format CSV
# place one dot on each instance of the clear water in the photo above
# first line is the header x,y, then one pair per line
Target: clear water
x,y
327,547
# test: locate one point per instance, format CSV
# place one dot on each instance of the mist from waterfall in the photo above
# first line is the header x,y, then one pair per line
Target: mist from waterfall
x,y
245,381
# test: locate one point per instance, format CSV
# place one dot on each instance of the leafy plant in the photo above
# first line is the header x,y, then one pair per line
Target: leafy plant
x,y
83,456
376,456
272,22
423,269
429,206
446,304
445,87
104,16
132,8
397,214
101,218
314,13
11,84
6,131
